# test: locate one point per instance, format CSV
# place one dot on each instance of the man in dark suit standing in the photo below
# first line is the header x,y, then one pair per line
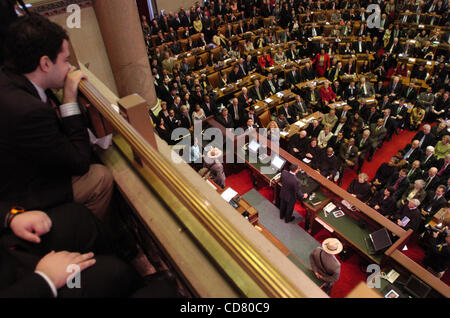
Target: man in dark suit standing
x,y
289,193
49,154
236,112
225,119
293,77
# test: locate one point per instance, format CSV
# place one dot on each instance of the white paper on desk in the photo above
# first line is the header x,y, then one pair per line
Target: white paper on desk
x,y
411,60
280,94
428,62
405,248
299,123
268,100
284,133
256,107
306,160
370,100
229,194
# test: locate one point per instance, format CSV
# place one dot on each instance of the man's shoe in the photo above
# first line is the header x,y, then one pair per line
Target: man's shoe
x,y
289,220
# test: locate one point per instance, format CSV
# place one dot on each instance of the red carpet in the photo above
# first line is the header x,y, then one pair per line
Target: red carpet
x,y
383,154
351,275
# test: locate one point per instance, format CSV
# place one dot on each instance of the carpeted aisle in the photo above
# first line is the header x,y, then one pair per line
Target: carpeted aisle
x,y
382,155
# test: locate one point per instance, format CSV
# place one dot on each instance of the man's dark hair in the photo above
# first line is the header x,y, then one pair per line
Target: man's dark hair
x,y
30,38
293,167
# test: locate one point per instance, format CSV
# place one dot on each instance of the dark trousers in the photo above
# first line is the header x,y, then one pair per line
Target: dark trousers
x,y
286,209
74,229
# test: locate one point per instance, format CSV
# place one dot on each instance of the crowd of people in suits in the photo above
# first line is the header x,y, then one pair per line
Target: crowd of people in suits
x,y
378,104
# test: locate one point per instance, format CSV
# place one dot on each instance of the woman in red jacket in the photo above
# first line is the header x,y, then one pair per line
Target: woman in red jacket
x,y
265,60
322,61
326,94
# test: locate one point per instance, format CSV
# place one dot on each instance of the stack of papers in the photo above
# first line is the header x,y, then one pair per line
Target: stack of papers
x,y
299,123
306,160
268,100
229,194
284,133
280,94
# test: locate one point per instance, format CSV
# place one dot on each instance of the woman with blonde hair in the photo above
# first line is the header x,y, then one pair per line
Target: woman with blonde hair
x,y
273,131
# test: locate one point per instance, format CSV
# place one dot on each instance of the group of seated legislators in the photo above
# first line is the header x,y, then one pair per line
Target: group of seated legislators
x,y
230,60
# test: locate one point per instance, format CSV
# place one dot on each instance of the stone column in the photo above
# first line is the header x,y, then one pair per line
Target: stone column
x,y
122,34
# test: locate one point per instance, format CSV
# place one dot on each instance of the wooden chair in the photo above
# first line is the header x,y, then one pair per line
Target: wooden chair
x,y
213,79
265,118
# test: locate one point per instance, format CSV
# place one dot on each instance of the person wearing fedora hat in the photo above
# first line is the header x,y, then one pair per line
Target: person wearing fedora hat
x,y
213,168
324,263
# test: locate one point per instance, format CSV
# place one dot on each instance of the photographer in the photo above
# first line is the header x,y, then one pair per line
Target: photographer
x,y
437,257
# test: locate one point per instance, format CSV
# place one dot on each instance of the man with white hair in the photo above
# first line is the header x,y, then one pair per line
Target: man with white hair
x,y
409,216
429,159
431,179
425,137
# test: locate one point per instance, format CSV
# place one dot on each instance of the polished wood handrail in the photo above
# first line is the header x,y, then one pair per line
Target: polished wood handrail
x,y
421,272
261,270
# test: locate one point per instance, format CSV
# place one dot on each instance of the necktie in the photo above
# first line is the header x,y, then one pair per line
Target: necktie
x,y
362,142
257,92
411,172
397,183
428,182
442,169
421,141
408,153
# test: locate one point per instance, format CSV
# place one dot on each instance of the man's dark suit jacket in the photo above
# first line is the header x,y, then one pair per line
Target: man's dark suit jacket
x,y
413,215
267,87
212,110
291,188
402,186
434,183
431,205
227,124
428,141
38,152
412,94
415,155
291,79
308,74
253,94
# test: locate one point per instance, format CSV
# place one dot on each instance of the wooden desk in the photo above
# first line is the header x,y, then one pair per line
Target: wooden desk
x,y
347,229
236,87
319,82
276,99
294,129
242,203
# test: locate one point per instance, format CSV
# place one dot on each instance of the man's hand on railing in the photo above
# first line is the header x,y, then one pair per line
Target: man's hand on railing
x,y
73,78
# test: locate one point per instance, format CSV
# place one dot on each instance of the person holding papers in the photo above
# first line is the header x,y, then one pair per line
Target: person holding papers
x,y
289,193
409,216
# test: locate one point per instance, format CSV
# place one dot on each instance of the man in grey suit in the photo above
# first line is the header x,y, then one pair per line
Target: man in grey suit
x,y
365,89
289,193
325,264
377,134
